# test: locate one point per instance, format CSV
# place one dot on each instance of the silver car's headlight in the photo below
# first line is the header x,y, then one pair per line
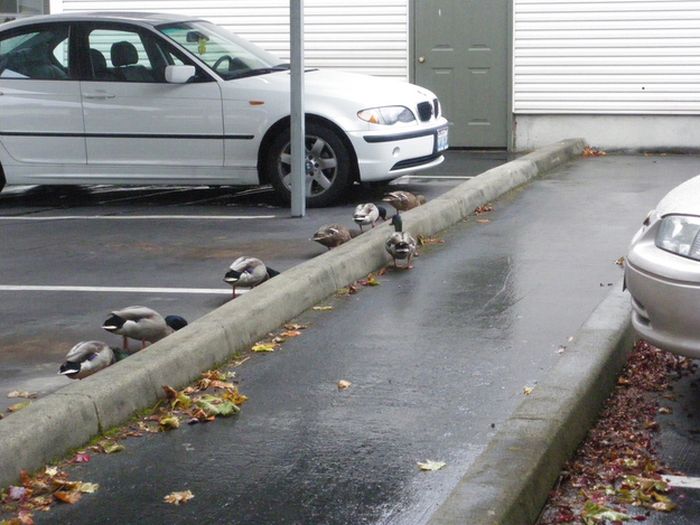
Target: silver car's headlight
x,y
679,234
387,115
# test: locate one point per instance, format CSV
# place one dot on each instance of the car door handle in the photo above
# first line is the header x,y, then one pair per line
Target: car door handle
x,y
98,96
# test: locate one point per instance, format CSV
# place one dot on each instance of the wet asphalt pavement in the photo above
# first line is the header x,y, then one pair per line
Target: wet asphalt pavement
x,y
39,326
438,356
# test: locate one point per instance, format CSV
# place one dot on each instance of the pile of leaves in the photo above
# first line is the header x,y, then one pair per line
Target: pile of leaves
x,y
214,395
353,288
616,474
593,152
39,493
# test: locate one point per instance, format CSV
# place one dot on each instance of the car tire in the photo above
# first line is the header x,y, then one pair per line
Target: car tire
x,y
328,161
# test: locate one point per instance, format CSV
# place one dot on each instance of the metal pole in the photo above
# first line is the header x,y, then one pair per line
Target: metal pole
x,y
298,150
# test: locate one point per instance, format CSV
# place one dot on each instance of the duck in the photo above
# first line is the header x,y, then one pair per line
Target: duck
x,y
142,323
248,272
368,214
332,235
403,200
86,358
401,245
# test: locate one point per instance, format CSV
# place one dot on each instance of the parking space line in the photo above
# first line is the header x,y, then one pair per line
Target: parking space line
x,y
438,177
137,217
116,289
684,482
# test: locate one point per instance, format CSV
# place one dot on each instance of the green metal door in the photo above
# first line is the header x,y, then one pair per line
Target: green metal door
x,y
460,51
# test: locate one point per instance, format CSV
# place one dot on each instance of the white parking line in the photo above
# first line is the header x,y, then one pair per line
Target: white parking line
x,y
136,217
445,177
118,289
684,482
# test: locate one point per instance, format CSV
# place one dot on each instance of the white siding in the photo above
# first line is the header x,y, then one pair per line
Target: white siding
x,y
367,36
606,56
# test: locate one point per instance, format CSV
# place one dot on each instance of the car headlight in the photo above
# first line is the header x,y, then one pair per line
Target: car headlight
x,y
679,234
387,115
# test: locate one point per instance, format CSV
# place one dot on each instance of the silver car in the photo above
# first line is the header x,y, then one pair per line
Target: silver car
x,y
662,272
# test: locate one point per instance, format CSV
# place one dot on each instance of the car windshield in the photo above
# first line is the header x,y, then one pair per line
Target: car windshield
x,y
230,56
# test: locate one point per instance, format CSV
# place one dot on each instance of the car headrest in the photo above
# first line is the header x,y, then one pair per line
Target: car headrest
x,y
99,63
124,54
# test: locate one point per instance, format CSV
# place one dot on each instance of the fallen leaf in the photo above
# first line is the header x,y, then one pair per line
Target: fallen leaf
x,y
170,392
291,333
264,347
592,152
81,458
176,498
425,240
483,221
343,384
66,496
169,422
51,471
665,410
295,326
430,465
21,393
88,488
527,390
370,280
322,308
601,513
484,208
19,406
112,448
561,349
16,493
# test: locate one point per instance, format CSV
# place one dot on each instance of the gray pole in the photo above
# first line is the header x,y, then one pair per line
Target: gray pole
x,y
298,175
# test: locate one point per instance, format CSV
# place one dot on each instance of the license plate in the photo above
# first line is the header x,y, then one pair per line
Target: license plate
x,y
442,143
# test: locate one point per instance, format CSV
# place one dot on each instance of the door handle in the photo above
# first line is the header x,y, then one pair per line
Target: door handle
x,y
98,96
421,60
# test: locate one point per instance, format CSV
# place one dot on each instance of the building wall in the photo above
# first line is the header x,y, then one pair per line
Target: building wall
x,y
579,66
367,36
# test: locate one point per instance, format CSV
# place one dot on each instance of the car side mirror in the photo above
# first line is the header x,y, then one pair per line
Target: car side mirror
x,y
178,74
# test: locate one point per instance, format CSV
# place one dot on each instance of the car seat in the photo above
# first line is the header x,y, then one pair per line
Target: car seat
x,y
125,58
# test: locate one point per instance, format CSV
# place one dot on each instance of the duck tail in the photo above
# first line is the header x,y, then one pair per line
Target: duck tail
x,y
271,272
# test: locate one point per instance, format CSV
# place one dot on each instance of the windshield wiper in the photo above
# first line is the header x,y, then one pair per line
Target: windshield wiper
x,y
257,71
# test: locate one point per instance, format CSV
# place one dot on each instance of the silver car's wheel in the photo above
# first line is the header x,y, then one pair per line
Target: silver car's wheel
x,y
327,165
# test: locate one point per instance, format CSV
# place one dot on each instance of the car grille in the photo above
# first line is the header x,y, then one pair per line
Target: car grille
x,y
425,111
436,108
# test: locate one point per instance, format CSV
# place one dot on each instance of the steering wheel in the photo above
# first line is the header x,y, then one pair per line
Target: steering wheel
x,y
235,64
221,60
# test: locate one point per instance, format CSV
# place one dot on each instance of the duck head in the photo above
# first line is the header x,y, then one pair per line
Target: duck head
x,y
113,323
175,322
232,276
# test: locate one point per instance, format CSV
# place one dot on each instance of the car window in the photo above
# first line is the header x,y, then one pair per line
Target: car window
x,y
230,56
40,54
129,56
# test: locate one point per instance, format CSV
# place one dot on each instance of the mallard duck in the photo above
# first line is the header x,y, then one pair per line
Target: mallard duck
x,y
144,324
368,214
332,235
86,358
248,272
401,245
403,200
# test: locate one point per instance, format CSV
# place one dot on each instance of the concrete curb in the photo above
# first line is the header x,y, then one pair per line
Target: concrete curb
x,y
509,482
51,426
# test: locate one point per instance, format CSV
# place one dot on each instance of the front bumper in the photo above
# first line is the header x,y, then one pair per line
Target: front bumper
x,y
389,154
665,312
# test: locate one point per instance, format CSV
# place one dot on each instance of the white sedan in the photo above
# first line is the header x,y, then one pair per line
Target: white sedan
x,y
662,272
141,98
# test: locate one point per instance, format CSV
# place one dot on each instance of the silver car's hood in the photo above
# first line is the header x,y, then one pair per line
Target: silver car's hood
x,y
683,199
